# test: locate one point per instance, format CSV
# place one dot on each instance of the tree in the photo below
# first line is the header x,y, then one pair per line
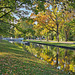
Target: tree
x,y
44,24
10,8
50,14
25,27
4,28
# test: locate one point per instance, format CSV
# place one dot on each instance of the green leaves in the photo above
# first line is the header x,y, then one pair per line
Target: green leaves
x,y
35,11
4,27
41,6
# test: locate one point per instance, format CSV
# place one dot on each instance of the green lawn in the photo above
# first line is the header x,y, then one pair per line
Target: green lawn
x,y
16,61
54,43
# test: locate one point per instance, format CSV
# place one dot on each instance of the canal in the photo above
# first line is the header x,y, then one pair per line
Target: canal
x,y
63,59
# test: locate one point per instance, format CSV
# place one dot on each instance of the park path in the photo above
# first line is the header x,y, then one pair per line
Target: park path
x,y
68,42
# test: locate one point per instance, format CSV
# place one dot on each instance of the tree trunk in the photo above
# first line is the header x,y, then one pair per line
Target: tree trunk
x,y
47,36
51,36
57,56
57,28
57,32
66,52
66,36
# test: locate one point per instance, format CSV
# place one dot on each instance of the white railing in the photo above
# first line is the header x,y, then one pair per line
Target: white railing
x,y
13,39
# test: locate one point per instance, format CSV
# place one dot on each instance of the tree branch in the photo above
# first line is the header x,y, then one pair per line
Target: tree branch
x,y
1,21
52,18
5,14
6,7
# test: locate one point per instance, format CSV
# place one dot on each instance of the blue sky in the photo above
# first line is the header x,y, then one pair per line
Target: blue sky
x,y
29,11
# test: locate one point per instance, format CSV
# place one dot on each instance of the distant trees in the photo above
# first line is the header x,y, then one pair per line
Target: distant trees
x,y
24,28
55,18
10,9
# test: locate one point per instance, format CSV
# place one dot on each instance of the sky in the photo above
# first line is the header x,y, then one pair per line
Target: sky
x,y
23,9
29,11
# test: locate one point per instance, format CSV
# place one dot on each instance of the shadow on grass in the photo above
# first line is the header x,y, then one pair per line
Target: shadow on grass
x,y
20,62
56,43
13,66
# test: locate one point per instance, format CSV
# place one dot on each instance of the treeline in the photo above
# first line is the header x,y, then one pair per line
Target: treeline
x,y
49,19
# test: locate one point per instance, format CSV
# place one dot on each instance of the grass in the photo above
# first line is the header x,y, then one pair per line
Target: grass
x,y
54,43
16,61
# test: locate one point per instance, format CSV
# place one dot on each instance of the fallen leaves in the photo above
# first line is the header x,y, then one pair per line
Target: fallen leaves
x,y
18,62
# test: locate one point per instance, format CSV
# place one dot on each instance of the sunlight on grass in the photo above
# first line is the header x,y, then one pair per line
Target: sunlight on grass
x,y
3,53
54,43
16,61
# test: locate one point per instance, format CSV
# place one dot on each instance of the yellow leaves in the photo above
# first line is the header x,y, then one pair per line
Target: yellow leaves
x,y
62,21
50,59
52,25
45,31
41,26
65,56
52,63
46,5
56,9
44,56
45,23
37,27
63,60
72,67
54,1
53,14
51,29
32,15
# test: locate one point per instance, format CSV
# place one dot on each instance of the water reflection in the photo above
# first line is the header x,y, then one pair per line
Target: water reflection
x,y
63,59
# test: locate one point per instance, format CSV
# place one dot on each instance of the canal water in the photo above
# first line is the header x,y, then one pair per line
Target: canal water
x,y
63,59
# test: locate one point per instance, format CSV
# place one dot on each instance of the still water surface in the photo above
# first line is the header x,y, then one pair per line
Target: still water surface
x,y
63,59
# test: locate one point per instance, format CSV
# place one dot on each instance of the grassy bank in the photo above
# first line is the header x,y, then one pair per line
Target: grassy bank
x,y
67,44
16,61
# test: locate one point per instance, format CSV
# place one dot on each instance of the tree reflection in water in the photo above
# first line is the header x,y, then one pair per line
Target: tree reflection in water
x,y
63,59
